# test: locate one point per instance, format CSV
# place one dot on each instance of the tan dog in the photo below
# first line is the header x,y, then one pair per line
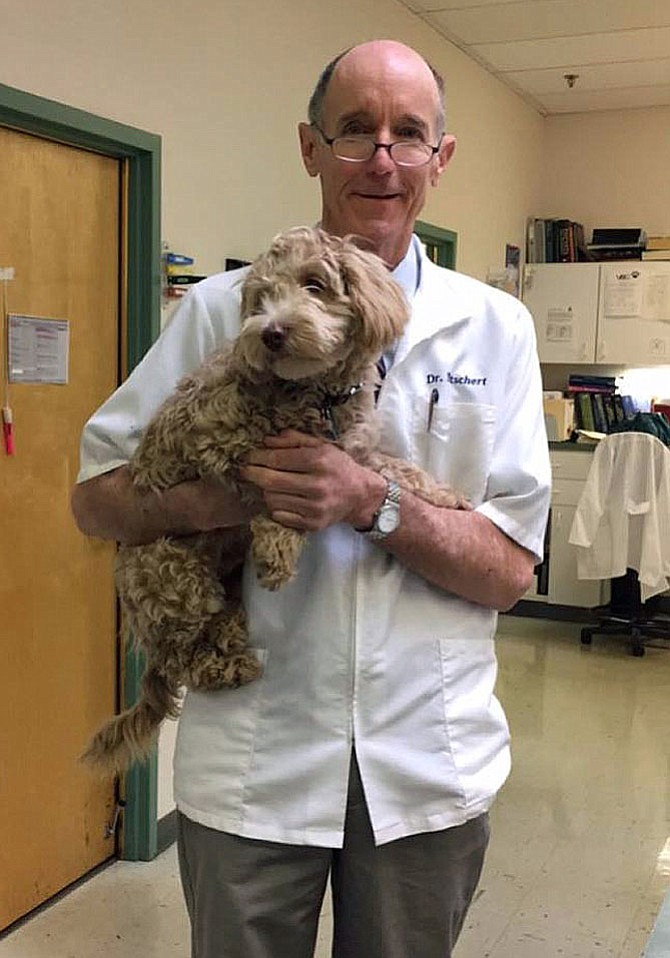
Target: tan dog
x,y
317,312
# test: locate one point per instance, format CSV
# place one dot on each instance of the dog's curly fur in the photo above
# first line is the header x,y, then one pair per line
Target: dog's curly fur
x,y
317,312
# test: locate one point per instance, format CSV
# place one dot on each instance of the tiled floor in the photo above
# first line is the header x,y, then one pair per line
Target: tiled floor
x,y
578,864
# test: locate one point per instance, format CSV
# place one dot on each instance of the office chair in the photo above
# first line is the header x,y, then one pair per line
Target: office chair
x,y
621,532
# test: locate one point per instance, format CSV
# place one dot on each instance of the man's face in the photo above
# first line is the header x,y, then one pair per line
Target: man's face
x,y
386,91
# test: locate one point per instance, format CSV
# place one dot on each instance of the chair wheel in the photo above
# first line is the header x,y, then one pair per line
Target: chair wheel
x,y
637,647
587,636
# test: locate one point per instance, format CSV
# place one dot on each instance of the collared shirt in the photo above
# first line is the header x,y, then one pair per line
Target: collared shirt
x,y
408,271
357,645
407,275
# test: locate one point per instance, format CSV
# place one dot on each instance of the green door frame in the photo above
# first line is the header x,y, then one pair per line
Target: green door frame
x,y
440,243
142,151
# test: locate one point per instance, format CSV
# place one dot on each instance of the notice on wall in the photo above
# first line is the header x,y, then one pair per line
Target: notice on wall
x,y
623,293
657,297
560,324
38,349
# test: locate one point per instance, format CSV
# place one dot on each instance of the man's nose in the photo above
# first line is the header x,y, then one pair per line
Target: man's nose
x,y
381,160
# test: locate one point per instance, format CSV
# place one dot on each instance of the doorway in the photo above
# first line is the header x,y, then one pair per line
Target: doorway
x,y
79,197
440,243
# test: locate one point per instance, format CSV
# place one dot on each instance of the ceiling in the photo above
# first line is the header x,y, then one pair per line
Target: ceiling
x,y
619,50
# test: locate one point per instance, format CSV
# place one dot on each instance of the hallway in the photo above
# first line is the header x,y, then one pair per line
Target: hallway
x,y
579,862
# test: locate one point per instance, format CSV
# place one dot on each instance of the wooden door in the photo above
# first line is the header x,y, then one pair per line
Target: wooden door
x,y
59,229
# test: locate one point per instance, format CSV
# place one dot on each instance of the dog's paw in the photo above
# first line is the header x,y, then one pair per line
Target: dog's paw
x,y
242,669
275,550
271,574
228,632
449,499
215,671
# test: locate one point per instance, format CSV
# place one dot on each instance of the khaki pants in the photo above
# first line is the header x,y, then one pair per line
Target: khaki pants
x,y
255,899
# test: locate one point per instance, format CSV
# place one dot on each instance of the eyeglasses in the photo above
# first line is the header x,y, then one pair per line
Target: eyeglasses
x,y
360,149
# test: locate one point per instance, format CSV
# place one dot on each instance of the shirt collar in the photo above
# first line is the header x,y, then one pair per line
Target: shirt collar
x,y
408,271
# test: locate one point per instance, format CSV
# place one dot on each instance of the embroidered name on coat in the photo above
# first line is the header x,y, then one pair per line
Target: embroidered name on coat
x,y
456,380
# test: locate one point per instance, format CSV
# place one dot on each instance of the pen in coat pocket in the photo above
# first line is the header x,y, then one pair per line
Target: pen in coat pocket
x,y
434,396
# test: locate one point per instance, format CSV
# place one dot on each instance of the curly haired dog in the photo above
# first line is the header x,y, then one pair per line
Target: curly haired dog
x,y
317,312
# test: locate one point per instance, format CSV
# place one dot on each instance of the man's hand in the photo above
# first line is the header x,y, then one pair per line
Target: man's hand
x,y
310,484
110,507
206,504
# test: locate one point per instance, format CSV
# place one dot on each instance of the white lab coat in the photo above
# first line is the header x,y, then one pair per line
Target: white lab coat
x,y
622,520
357,647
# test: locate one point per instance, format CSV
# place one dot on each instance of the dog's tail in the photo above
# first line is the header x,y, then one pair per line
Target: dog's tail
x,y
129,737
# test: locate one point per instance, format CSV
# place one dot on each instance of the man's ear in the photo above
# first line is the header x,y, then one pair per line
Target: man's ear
x,y
445,153
309,148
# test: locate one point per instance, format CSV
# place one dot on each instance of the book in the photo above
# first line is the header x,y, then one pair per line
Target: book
x,y
178,259
530,240
184,279
584,412
591,379
551,240
599,414
658,255
658,242
172,269
573,390
564,241
610,411
541,241
549,247
619,412
581,253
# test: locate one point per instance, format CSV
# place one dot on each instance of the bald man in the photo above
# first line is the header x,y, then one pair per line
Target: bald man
x,y
372,747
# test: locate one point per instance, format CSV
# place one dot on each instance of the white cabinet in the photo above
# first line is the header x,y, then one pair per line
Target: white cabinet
x,y
561,585
563,301
614,313
634,313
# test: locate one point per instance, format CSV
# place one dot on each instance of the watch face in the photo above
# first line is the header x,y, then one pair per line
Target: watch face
x,y
388,520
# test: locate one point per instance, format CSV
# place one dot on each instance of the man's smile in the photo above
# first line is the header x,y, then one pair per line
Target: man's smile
x,y
365,195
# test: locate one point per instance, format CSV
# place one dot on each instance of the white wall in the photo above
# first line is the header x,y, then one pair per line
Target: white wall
x,y
609,168
225,83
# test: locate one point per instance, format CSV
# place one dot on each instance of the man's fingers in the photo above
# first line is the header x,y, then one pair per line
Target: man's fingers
x,y
290,519
285,458
295,482
291,437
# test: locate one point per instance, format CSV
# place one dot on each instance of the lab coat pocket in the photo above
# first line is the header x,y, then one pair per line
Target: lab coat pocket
x,y
205,715
476,726
454,443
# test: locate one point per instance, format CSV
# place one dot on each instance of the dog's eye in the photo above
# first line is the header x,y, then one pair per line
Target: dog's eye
x,y
314,284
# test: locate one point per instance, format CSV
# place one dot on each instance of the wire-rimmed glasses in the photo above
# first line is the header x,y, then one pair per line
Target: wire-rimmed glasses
x,y
360,149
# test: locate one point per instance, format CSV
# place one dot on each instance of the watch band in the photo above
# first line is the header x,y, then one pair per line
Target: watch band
x,y
387,518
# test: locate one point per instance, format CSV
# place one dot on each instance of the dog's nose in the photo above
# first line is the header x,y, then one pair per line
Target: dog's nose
x,y
273,337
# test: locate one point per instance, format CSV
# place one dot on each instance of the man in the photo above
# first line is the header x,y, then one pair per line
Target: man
x,y
372,747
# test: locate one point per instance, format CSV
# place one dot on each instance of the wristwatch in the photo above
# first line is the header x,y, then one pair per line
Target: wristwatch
x,y
387,518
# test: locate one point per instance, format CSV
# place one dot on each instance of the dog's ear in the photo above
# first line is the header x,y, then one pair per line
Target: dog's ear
x,y
251,288
377,298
